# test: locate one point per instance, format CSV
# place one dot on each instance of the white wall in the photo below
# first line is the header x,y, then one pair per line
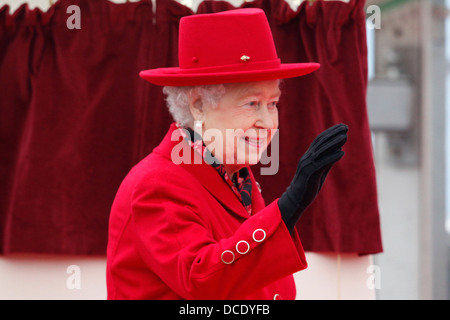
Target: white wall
x,y
331,276
47,277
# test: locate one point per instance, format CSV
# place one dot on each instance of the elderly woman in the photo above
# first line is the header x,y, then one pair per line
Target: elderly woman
x,y
189,221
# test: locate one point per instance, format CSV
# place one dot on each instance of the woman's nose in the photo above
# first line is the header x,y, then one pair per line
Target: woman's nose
x,y
265,119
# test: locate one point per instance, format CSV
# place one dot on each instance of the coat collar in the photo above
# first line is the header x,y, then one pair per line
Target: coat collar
x,y
208,176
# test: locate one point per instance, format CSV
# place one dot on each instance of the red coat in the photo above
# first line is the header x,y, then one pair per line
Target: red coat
x,y
179,232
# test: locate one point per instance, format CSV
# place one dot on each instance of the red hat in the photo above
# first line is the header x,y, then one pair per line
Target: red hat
x,y
226,47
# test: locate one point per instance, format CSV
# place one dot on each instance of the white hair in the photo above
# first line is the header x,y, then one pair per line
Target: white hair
x,y
178,98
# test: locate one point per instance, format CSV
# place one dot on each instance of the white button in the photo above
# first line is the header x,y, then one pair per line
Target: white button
x,y
259,235
277,297
227,257
245,247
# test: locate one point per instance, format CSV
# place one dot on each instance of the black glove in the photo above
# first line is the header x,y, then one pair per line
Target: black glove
x,y
312,170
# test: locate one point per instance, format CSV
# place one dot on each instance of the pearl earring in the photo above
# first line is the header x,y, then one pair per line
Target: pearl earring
x,y
198,124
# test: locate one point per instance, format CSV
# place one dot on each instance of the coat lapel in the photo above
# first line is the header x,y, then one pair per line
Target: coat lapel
x,y
208,176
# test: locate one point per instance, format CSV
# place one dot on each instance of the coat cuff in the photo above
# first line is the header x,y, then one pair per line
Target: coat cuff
x,y
262,243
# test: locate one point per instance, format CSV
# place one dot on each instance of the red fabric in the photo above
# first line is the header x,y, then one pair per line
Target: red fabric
x,y
168,242
75,117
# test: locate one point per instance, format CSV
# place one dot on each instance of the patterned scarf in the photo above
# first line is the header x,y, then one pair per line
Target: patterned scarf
x,y
240,182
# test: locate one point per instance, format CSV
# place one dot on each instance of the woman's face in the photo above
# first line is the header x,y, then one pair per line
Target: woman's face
x,y
245,121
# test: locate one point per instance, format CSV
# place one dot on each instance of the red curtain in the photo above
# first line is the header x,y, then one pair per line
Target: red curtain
x,y
75,117
344,217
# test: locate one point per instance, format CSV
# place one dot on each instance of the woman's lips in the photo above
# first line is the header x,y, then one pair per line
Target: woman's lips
x,y
255,142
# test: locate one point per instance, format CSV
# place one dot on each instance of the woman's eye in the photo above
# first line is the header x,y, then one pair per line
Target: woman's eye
x,y
252,104
255,104
273,104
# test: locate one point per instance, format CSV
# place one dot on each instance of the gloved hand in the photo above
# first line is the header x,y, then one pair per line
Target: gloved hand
x,y
312,170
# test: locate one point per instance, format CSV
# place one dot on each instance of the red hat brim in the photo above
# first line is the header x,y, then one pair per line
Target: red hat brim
x,y
176,77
